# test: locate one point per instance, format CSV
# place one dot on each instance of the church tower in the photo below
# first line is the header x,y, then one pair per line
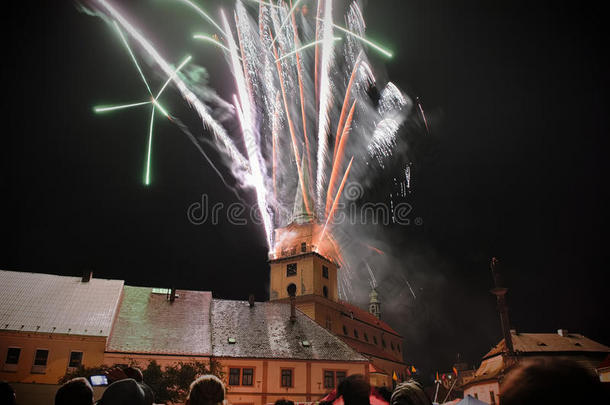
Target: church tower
x,y
301,257
374,304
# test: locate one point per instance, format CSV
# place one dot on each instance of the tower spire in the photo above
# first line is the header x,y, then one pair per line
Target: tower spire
x,y
299,211
374,303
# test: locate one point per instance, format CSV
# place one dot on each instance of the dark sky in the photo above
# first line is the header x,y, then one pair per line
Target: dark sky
x,y
515,166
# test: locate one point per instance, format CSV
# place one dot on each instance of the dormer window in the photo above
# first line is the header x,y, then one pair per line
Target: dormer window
x,y
291,269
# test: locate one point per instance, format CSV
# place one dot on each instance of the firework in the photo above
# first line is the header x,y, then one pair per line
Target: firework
x,y
301,97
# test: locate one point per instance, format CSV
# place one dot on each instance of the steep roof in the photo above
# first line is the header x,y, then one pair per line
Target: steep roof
x,y
45,303
149,323
366,317
265,331
549,342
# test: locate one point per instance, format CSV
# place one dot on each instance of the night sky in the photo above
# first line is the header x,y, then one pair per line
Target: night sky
x,y
514,166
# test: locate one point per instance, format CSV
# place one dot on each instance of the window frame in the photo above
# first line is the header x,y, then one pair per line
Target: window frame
x,y
345,330
289,272
7,353
40,368
243,379
232,375
325,272
335,379
303,247
290,370
80,362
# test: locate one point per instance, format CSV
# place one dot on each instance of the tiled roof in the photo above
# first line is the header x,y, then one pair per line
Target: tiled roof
x,y
45,303
367,317
369,349
549,342
265,331
150,323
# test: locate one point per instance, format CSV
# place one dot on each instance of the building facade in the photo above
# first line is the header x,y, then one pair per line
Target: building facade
x,y
51,324
486,385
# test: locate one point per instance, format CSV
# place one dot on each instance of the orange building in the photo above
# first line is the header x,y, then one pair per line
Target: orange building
x,y
50,324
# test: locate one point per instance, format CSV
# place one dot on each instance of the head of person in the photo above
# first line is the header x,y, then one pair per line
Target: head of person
x,y
355,390
77,391
409,393
206,390
125,392
7,394
551,382
135,373
284,402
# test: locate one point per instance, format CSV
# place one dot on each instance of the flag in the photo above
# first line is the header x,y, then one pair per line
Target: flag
x,y
413,370
408,371
437,376
394,376
444,376
455,371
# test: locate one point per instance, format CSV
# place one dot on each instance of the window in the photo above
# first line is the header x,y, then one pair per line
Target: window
x,y
375,339
325,291
291,269
344,330
328,322
329,379
492,397
286,377
383,343
40,361
355,333
234,376
476,395
392,345
12,356
398,347
333,378
247,376
76,359
366,337
41,358
303,247
324,271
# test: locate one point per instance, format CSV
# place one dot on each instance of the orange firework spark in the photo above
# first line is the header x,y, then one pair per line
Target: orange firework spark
x,y
336,201
291,128
345,103
339,156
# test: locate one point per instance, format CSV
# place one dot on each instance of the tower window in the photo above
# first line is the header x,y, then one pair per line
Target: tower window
x,y
324,271
303,247
344,330
325,291
291,269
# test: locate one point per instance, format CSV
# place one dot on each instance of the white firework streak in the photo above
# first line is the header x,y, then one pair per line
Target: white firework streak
x,y
248,125
373,280
188,95
325,100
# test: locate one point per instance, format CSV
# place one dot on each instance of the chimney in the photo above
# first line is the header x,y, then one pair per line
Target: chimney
x,y
500,292
292,290
251,300
87,276
172,294
562,332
